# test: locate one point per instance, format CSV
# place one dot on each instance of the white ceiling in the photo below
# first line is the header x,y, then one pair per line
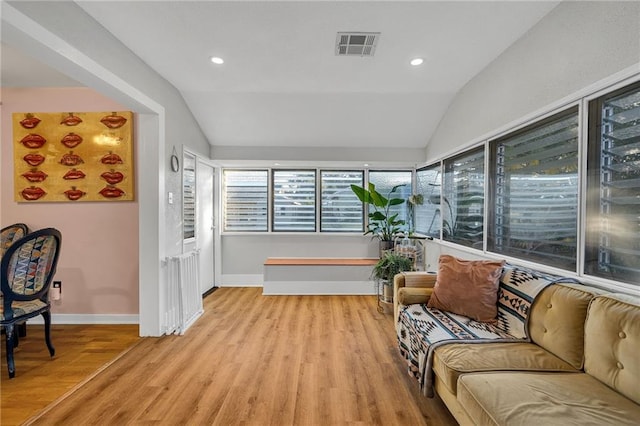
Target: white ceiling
x,y
281,83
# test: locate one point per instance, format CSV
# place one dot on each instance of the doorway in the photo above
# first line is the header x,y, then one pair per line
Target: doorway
x,y
205,220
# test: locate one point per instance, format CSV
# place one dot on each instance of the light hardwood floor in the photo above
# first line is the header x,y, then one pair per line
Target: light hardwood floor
x,y
80,351
260,360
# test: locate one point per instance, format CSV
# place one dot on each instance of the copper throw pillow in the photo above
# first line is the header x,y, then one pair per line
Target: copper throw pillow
x,y
467,287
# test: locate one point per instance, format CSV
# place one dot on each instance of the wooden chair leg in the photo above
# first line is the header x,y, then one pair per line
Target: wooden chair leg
x,y
9,344
47,332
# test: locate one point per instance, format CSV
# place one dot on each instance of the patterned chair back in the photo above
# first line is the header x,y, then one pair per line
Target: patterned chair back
x,y
29,266
10,234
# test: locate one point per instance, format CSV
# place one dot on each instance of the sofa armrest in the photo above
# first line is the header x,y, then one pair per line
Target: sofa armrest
x,y
411,287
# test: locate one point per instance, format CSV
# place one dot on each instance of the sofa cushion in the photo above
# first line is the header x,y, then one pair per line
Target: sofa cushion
x,y
612,339
467,287
543,399
557,320
413,295
450,361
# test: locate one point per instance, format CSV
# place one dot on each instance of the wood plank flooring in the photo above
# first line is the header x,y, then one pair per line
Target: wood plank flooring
x,y
260,360
40,379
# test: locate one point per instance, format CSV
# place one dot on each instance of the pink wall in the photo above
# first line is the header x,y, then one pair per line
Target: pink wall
x,y
98,263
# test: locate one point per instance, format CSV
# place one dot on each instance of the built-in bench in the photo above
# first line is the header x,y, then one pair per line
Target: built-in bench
x,y
318,275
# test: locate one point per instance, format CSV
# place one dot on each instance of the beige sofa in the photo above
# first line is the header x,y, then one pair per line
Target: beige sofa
x,y
581,367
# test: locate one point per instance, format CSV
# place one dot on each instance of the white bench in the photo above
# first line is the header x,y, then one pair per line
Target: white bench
x,y
318,275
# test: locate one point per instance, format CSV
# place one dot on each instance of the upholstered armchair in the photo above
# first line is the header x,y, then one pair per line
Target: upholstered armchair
x,y
28,266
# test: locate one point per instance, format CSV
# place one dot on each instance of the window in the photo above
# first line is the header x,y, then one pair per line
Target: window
x,y
386,180
613,212
463,199
189,197
341,211
428,215
294,200
245,200
535,192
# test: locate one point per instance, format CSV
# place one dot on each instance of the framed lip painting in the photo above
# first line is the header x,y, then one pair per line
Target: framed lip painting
x,y
73,156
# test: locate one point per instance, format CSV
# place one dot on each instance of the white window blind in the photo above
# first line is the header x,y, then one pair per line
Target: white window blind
x,y
463,200
294,200
428,215
341,211
189,197
535,192
245,200
613,238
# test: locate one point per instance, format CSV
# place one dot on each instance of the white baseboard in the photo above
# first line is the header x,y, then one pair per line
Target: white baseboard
x,y
88,319
273,288
241,280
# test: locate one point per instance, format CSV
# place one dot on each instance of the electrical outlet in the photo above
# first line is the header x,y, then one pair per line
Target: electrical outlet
x,y
55,293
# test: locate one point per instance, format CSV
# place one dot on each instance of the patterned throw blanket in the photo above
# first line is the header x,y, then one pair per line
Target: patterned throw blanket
x,y
421,329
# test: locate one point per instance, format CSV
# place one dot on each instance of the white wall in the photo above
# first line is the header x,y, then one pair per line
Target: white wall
x,y
578,48
63,36
575,45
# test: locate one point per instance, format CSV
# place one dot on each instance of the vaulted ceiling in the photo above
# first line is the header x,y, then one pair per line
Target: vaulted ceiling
x,y
283,85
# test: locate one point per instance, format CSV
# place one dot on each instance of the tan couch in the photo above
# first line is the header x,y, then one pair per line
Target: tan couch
x,y
582,366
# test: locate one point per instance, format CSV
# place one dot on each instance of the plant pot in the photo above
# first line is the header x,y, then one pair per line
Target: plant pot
x,y
387,293
385,246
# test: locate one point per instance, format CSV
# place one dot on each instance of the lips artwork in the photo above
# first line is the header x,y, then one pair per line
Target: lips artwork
x,y
111,191
73,156
74,174
112,177
33,159
29,121
113,121
71,140
35,175
71,120
74,193
33,141
32,193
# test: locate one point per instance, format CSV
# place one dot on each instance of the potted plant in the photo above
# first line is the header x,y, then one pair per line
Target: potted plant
x,y
382,223
388,266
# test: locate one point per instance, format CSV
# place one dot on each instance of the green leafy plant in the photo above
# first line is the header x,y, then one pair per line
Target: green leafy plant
x,y
382,223
389,265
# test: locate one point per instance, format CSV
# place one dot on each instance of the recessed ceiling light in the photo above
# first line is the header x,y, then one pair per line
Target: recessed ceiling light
x,y
366,164
216,60
417,61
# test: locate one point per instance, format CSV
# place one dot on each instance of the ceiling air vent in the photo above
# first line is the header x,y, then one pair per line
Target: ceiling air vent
x,y
356,44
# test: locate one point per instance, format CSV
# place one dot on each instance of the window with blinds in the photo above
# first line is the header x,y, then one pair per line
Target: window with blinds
x,y
428,215
294,200
246,201
340,210
613,214
535,192
188,197
463,199
385,180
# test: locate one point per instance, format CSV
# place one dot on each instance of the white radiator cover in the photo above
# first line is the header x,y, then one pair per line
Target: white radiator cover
x,y
184,300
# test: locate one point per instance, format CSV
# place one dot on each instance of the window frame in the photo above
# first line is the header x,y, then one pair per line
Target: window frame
x,y
272,200
476,149
439,166
590,246
224,203
492,173
320,201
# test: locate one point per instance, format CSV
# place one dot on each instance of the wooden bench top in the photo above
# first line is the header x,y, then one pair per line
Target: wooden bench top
x,y
330,261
